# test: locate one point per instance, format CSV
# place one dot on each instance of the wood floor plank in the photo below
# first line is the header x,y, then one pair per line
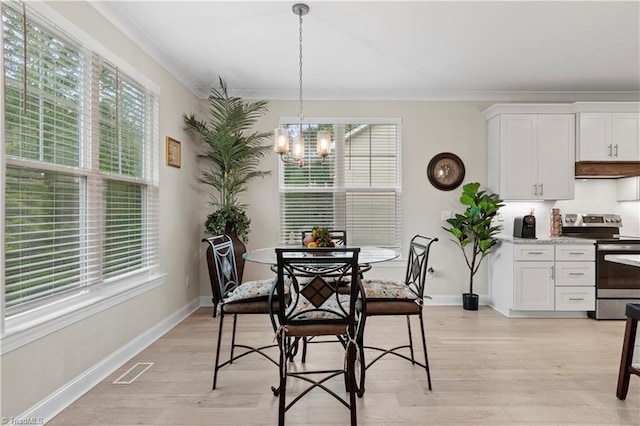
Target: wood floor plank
x,y
486,370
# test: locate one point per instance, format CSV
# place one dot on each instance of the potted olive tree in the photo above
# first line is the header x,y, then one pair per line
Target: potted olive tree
x,y
473,231
231,158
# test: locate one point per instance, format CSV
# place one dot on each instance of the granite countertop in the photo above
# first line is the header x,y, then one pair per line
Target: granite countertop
x,y
626,259
544,240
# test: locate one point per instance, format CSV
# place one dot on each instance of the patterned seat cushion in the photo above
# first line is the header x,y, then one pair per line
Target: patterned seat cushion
x,y
313,314
388,289
251,290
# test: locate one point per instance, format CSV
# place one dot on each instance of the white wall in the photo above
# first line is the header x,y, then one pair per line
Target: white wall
x,y
34,371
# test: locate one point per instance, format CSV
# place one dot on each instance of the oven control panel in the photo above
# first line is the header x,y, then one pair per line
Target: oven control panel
x,y
585,219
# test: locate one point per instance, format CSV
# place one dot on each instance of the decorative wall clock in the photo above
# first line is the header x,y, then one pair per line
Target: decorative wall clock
x,y
445,171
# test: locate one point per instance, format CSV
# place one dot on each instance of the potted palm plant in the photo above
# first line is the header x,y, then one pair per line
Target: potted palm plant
x,y
473,231
232,155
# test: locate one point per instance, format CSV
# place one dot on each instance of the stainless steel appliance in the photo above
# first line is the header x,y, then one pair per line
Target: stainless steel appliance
x,y
616,284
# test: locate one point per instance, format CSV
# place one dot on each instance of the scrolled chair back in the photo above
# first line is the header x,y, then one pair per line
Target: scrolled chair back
x,y
223,272
313,276
417,262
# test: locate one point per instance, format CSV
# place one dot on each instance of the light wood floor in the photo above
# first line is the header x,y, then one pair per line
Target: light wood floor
x,y
486,370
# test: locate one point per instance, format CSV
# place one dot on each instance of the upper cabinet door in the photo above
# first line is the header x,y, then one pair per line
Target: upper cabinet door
x,y
608,136
556,156
594,133
518,136
625,136
535,156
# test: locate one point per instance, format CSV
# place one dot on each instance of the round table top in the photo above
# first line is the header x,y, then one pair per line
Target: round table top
x,y
367,255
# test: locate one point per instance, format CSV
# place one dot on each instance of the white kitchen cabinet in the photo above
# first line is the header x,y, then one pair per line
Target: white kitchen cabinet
x,y
531,278
575,298
574,275
575,253
608,136
532,156
628,188
534,288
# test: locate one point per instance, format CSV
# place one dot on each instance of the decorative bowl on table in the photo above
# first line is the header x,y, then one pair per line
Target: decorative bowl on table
x,y
319,237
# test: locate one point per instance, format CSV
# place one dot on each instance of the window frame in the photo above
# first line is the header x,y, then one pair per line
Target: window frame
x,y
341,186
26,326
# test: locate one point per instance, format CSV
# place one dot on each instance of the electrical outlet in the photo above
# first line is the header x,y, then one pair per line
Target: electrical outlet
x,y
500,218
430,273
187,281
445,214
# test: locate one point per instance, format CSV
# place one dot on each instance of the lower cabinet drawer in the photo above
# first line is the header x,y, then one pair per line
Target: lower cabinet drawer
x,y
575,298
575,274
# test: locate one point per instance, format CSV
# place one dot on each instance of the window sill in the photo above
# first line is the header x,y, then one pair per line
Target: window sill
x,y
24,328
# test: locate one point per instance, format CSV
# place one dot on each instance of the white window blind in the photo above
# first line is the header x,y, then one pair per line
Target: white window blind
x,y
357,188
81,179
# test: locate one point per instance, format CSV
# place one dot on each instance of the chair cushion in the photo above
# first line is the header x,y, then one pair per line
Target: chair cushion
x,y
250,290
387,289
393,307
313,314
250,306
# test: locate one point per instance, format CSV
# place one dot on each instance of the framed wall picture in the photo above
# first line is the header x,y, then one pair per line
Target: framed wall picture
x,y
173,152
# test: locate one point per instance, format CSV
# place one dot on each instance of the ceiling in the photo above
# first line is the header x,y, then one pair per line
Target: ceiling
x,y
394,50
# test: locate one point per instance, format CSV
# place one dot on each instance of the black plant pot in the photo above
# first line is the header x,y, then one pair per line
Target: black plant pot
x,y
470,301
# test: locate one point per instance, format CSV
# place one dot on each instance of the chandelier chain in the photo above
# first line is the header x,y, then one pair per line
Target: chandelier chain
x,y
300,114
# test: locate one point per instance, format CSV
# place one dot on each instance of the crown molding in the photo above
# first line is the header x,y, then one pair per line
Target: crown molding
x,y
427,95
128,28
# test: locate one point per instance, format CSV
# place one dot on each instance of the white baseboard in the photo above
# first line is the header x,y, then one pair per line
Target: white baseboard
x,y
453,300
52,405
206,302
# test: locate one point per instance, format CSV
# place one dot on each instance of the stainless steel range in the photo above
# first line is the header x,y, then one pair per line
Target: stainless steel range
x,y
616,284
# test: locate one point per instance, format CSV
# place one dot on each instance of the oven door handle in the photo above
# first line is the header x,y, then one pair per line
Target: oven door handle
x,y
635,248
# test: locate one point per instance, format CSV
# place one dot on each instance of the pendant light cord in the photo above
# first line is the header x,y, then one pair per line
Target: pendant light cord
x,y
300,113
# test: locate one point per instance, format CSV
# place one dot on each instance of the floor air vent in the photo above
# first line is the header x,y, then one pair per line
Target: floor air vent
x,y
133,373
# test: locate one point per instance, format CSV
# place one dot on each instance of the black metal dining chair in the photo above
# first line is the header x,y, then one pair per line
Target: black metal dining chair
x,y
314,307
406,298
230,297
632,312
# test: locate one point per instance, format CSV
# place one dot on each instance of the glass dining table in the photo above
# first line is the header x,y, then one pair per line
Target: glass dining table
x,y
367,256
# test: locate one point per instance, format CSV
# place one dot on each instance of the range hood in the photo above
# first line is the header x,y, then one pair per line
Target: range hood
x,y
607,169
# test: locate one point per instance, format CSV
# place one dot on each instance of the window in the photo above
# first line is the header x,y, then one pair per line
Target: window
x,y
357,188
81,179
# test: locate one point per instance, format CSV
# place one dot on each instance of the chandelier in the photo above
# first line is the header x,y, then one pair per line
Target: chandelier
x,y
295,155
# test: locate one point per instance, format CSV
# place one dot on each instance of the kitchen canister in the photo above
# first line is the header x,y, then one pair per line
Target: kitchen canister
x,y
555,223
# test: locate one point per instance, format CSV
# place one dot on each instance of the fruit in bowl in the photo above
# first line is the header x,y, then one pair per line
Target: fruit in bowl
x,y
319,237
